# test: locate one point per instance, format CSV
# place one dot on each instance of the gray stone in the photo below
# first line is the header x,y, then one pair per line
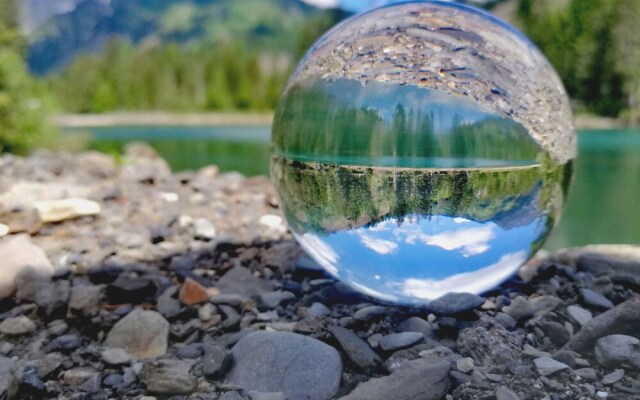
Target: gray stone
x,y
613,377
623,319
85,300
50,296
116,357
579,314
49,364
548,366
204,229
587,374
521,307
7,377
271,300
421,379
318,310
228,299
266,396
168,377
240,280
357,349
416,324
17,326
490,346
555,331
465,364
455,303
369,312
216,361
168,305
17,254
396,341
595,300
616,350
298,366
143,334
504,393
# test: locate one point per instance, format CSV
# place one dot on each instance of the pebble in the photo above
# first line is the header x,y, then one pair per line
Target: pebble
x,y
168,305
4,230
369,312
318,310
115,357
143,334
216,361
314,368
595,300
356,349
168,377
29,383
6,375
206,311
271,300
65,343
192,292
491,346
78,376
421,379
65,209
17,326
416,324
49,364
579,314
588,374
85,300
616,350
17,254
204,229
465,364
128,290
396,341
548,366
455,303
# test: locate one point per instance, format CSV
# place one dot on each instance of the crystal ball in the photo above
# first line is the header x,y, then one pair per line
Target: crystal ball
x,y
421,149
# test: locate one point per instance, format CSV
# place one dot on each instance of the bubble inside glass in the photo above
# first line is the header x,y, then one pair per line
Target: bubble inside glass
x,y
421,149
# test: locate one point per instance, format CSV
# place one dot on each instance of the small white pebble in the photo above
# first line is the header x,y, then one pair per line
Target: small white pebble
x,y
169,197
431,318
4,230
602,395
271,220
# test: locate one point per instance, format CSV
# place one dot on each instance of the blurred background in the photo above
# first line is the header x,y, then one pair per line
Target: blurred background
x,y
198,80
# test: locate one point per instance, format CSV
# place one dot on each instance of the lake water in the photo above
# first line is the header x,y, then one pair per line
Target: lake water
x,y
602,205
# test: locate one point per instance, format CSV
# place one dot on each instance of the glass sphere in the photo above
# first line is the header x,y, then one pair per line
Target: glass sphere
x,y
422,148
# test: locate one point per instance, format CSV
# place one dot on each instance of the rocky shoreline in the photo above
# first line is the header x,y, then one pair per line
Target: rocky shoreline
x,y
123,280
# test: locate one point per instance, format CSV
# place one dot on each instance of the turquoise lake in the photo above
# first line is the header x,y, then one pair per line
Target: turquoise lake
x,y
603,204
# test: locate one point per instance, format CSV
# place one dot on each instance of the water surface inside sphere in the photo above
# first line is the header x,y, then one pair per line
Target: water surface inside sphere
x,y
421,149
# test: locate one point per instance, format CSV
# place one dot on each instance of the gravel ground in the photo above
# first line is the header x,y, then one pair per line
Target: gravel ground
x,y
132,282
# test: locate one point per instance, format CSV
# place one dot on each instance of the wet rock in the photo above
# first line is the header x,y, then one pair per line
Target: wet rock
x,y
128,290
623,319
421,379
141,333
17,326
296,365
168,377
396,341
579,314
65,209
85,300
19,253
455,303
595,300
616,350
548,366
356,349
193,292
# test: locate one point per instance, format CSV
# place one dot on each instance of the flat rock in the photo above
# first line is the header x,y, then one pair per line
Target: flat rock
x,y
369,312
623,319
455,303
613,377
421,379
239,280
587,374
65,209
595,300
168,377
143,334
356,349
49,364
17,326
548,366
416,324
298,366
579,314
17,254
271,300
78,376
397,341
615,351
115,357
